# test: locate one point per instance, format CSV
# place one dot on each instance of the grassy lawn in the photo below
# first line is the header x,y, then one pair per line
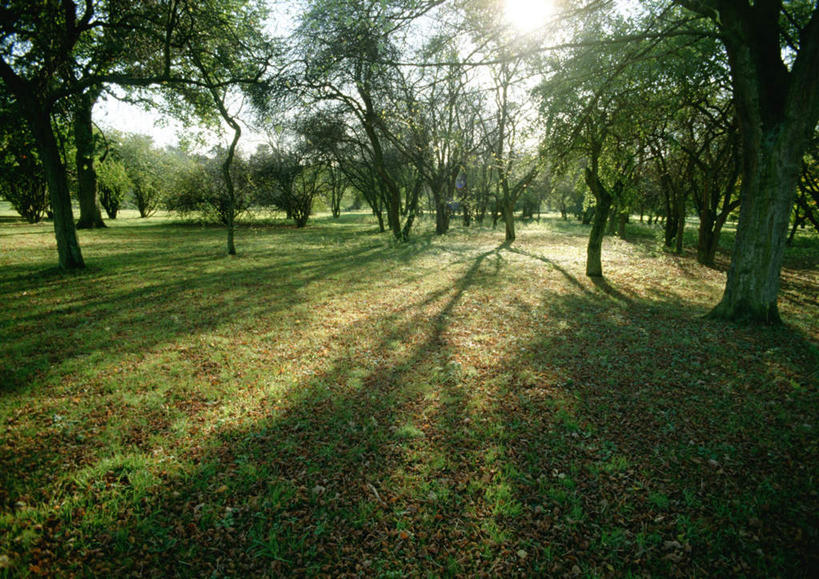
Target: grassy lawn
x,y
329,402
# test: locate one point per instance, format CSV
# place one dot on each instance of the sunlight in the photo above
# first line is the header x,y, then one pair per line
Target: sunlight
x,y
526,16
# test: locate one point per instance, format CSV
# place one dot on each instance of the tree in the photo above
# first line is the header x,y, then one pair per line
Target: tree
x,y
56,51
508,159
437,125
608,173
346,53
84,145
144,165
113,184
224,53
22,180
773,54
324,133
603,133
807,200
38,40
336,184
197,185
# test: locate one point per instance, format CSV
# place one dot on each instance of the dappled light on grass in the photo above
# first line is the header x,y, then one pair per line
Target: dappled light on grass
x,y
331,402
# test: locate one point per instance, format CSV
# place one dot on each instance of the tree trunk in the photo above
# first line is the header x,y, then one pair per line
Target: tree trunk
x,y
394,211
670,214
380,216
412,209
622,219
705,236
768,189
509,219
603,199
777,110
231,193
797,221
678,235
612,223
336,204
68,248
441,209
90,216
594,252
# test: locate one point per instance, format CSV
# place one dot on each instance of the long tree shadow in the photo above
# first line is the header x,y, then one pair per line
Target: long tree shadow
x,y
336,467
471,429
667,444
104,327
118,308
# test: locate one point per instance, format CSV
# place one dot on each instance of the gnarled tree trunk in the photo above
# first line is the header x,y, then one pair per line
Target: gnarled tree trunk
x,y
777,110
594,251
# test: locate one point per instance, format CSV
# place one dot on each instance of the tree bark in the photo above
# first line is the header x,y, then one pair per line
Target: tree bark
x,y
678,246
441,208
777,110
90,215
705,238
508,210
68,248
753,278
622,219
603,199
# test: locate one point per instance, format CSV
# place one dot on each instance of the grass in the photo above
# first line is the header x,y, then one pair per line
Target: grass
x,y
330,402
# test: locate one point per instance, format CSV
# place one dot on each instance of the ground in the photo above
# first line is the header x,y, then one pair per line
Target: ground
x,y
331,402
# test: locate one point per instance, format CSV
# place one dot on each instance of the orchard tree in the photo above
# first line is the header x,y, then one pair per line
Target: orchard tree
x,y
113,184
291,181
22,182
347,53
197,186
37,41
603,133
60,52
145,167
773,54
82,106
325,134
807,200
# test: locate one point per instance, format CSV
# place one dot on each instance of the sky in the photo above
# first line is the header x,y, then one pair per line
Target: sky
x,y
110,113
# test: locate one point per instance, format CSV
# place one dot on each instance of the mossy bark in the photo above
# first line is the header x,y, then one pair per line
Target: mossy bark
x,y
752,285
777,110
603,201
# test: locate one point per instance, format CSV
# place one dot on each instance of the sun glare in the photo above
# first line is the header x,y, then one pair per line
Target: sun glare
x,y
526,16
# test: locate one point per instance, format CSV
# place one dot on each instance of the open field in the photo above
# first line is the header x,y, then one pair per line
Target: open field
x,y
329,402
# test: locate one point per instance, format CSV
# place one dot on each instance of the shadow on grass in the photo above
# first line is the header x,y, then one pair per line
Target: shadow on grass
x,y
150,293
606,440
100,328
337,467
632,440
666,443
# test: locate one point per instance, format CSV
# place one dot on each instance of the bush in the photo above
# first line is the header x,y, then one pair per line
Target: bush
x,y
23,184
112,185
198,187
